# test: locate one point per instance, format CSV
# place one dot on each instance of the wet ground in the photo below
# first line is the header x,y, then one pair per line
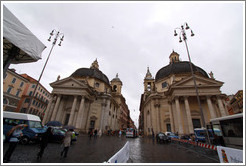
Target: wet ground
x,y
142,150
145,150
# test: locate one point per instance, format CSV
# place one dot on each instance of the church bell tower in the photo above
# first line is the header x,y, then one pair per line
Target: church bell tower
x,y
149,82
116,84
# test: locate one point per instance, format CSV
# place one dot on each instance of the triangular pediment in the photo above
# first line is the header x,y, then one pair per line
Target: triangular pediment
x,y
68,82
200,81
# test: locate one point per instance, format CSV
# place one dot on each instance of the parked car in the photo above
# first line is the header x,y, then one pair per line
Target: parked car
x,y
200,134
171,135
161,138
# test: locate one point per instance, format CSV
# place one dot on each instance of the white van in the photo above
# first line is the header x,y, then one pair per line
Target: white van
x,y
30,133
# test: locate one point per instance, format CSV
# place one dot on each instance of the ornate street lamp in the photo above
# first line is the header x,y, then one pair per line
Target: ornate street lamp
x,y
58,36
182,37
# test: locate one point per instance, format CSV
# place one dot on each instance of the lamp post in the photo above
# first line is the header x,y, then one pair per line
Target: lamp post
x,y
184,38
57,35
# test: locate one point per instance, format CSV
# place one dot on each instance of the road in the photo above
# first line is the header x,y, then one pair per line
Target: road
x,y
142,150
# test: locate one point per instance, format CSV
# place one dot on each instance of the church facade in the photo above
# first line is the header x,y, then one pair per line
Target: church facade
x,y
169,101
87,100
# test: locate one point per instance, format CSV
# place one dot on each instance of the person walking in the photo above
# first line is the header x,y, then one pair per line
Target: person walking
x,y
44,142
66,143
100,133
95,133
15,133
120,132
91,133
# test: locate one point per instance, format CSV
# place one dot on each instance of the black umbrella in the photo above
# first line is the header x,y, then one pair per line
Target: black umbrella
x,y
68,127
54,123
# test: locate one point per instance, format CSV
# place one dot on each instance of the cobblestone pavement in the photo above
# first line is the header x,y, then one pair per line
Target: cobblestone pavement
x,y
142,150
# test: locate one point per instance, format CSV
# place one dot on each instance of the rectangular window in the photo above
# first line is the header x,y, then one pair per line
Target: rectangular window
x,y
232,127
9,89
27,100
13,81
30,93
21,84
18,92
33,102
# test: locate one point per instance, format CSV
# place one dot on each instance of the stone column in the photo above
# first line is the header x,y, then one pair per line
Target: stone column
x,y
189,119
102,116
211,108
106,117
70,122
80,113
171,117
60,110
157,107
179,115
48,112
56,108
221,107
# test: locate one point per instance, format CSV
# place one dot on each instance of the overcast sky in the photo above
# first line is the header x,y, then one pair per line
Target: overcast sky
x,y
126,38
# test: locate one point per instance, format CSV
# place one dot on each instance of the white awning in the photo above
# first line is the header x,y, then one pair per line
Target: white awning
x,y
17,34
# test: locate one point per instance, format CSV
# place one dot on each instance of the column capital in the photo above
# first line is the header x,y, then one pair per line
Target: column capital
x,y
176,97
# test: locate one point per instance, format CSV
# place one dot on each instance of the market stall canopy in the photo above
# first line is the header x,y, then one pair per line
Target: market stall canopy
x,y
19,43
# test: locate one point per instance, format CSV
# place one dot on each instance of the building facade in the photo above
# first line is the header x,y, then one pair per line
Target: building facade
x,y
18,91
169,101
13,88
86,100
39,100
235,103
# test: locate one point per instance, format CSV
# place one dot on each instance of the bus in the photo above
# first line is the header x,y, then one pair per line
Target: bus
x,y
231,128
131,133
30,133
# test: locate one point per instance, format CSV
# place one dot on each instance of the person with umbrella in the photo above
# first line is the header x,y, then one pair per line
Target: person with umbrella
x,y
54,123
15,133
67,142
44,142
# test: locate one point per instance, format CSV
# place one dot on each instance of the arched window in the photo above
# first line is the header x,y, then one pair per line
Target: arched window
x,y
5,101
114,88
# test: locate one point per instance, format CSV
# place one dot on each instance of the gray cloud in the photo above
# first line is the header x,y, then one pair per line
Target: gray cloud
x,y
127,37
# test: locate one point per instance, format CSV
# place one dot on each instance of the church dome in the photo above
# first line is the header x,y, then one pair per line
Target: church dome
x,y
180,67
93,72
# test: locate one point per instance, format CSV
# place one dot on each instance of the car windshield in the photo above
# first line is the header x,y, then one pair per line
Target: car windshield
x,y
58,131
171,134
35,124
161,135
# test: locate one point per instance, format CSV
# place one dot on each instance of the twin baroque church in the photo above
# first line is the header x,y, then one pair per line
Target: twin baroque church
x,y
87,100
169,101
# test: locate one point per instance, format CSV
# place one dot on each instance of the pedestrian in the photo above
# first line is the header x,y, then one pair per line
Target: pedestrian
x,y
95,133
100,133
66,143
91,133
46,136
120,132
15,133
153,135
